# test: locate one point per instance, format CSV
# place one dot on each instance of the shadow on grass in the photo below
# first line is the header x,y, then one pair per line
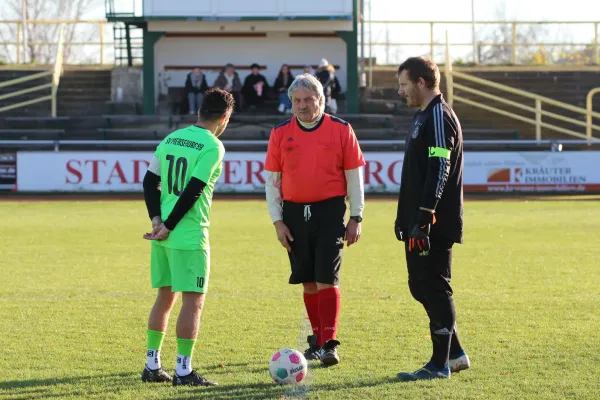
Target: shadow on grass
x,y
272,391
31,383
246,391
117,382
44,388
253,368
354,385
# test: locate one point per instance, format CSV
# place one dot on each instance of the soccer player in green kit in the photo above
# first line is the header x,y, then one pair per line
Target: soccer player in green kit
x,y
186,166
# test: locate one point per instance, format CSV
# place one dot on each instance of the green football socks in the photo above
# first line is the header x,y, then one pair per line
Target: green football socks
x,y
185,348
155,340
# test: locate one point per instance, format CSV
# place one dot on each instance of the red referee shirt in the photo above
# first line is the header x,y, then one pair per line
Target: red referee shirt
x,y
312,161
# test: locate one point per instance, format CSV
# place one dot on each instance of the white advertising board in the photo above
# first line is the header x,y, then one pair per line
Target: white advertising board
x,y
243,172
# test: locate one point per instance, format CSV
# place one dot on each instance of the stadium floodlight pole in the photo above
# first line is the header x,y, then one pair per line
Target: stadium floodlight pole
x,y
24,27
475,60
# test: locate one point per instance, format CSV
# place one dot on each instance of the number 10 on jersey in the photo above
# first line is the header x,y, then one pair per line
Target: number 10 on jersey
x,y
177,170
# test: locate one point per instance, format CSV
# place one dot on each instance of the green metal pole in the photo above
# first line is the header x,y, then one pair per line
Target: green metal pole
x,y
150,38
351,39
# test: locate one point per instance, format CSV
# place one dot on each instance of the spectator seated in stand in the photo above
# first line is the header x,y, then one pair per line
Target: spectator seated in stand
x,y
229,81
331,85
281,86
195,86
255,88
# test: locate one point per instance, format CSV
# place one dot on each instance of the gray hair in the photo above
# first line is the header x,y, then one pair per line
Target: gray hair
x,y
308,82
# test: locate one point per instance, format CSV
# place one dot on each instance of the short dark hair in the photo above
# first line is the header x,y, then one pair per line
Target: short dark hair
x,y
422,67
217,102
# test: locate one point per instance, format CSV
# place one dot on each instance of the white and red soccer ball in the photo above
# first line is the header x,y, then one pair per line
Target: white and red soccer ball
x,y
288,366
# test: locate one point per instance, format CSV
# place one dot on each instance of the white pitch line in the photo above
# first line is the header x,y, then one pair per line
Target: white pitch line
x,y
300,391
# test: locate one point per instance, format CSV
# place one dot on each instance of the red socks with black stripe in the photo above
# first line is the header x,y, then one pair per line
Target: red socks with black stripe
x,y
323,310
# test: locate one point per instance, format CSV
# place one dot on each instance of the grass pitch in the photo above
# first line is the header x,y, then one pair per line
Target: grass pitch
x,y
75,297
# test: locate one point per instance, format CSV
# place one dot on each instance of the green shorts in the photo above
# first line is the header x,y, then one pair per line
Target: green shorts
x,y
183,270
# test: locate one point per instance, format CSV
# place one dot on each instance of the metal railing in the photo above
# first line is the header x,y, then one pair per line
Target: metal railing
x,y
514,42
537,110
53,85
589,109
100,42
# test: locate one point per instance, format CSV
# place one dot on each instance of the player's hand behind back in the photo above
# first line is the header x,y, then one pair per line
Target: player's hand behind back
x,y
156,223
158,233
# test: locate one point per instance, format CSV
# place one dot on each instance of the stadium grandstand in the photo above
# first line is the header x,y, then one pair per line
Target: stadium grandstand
x,y
118,113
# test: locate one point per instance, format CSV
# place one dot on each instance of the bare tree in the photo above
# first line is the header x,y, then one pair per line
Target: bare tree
x,y
501,38
46,33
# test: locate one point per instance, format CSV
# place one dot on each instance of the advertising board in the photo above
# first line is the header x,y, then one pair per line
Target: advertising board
x,y
243,172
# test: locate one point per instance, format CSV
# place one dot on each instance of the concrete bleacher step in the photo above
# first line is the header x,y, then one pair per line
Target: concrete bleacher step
x,y
84,93
89,95
35,122
31,134
157,127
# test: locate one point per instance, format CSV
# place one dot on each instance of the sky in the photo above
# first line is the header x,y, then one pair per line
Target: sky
x,y
456,10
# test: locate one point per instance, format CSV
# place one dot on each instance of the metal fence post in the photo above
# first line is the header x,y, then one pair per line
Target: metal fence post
x,y
514,43
538,119
589,109
101,43
19,43
596,55
57,69
449,81
431,46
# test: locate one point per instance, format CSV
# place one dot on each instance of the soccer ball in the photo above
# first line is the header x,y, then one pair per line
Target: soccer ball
x,y
288,366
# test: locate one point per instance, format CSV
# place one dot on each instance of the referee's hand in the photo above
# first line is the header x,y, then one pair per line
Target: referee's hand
x,y
283,235
353,232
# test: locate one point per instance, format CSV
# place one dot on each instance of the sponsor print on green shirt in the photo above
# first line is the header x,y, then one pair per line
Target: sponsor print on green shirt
x,y
186,153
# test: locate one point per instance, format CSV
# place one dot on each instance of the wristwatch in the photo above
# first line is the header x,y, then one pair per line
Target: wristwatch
x,y
356,218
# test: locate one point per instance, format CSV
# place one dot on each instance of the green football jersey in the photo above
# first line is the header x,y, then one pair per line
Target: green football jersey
x,y
186,153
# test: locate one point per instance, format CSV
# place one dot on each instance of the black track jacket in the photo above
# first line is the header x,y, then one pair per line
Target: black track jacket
x,y
432,173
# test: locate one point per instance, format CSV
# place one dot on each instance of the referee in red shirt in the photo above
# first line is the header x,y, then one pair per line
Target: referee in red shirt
x,y
313,163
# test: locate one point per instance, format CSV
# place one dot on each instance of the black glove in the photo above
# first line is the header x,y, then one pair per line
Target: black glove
x,y
398,231
419,236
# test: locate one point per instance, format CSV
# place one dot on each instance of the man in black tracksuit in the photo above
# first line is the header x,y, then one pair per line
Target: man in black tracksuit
x,y
430,211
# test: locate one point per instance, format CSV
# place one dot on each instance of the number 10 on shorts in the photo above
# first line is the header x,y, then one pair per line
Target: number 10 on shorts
x,y
200,282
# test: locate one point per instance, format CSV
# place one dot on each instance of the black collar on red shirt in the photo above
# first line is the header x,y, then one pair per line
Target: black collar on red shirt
x,y
313,128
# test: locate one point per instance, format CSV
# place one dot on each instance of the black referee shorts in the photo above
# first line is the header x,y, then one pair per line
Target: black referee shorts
x,y
318,230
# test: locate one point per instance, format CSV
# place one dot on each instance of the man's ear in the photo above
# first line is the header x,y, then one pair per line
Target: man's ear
x,y
222,119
